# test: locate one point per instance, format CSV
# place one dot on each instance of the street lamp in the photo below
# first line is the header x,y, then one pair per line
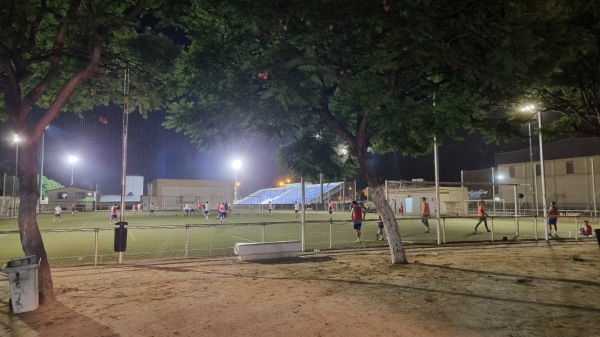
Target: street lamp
x,y
236,166
529,108
72,160
532,108
16,141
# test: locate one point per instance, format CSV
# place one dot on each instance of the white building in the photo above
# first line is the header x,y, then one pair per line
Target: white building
x,y
572,175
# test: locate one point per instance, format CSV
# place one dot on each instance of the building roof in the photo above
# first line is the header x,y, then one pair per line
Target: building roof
x,y
560,149
117,198
71,188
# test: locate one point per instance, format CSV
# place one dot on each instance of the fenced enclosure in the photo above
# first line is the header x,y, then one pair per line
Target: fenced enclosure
x,y
9,201
499,197
87,238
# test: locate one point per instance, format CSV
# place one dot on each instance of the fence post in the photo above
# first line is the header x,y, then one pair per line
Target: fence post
x,y
330,234
263,231
535,236
516,209
187,240
492,232
444,230
96,231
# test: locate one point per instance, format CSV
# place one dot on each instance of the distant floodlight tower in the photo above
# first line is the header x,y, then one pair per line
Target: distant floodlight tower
x,y
72,161
533,109
237,164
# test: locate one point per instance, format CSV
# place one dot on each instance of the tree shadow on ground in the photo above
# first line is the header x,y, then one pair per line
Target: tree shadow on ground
x,y
47,319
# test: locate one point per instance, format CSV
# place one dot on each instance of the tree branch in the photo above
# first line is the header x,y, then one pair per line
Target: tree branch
x,y
61,35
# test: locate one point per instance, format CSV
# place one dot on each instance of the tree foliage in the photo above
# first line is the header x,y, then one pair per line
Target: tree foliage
x,y
375,77
572,88
69,55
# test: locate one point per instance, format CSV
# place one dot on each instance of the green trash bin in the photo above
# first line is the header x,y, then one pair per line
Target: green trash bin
x,y
23,283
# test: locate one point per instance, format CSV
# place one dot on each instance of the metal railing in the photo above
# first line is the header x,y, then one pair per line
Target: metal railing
x,y
95,245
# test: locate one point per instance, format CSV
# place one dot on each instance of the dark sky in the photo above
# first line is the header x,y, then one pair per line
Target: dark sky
x,y
154,152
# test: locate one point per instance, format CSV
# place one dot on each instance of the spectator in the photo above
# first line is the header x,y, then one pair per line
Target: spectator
x,y
586,229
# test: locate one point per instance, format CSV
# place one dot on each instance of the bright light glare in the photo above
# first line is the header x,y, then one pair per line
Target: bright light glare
x,y
73,159
500,177
528,107
236,164
16,139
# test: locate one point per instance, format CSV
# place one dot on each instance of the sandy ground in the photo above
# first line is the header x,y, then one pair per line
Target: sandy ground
x,y
501,290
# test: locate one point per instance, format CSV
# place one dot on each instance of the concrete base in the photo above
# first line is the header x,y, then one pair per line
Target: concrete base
x,y
257,251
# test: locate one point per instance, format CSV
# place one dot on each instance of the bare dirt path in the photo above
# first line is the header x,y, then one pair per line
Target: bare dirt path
x,y
501,290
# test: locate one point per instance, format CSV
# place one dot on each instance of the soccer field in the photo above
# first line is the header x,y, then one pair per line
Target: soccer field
x,y
87,237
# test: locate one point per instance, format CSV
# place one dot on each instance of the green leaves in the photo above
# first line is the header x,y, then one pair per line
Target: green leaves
x,y
365,74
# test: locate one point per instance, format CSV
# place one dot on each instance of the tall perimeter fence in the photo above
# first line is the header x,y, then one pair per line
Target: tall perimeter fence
x,y
9,198
512,218
95,246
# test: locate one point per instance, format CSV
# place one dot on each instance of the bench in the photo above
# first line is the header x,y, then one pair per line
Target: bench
x,y
256,251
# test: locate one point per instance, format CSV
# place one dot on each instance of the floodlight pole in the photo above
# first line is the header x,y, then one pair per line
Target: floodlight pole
x,y
124,158
533,177
545,208
42,172
437,183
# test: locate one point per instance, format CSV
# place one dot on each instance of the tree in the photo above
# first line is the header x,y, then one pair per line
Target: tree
x,y
373,77
49,184
572,88
66,56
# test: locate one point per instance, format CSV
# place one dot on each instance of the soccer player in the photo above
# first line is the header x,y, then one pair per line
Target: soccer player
x,y
296,209
186,210
330,210
482,216
73,208
206,208
425,213
270,207
113,213
379,235
57,211
552,219
357,217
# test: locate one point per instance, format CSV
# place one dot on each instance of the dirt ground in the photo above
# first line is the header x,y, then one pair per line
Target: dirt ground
x,y
495,290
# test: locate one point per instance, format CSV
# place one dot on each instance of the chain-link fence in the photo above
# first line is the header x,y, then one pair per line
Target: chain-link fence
x,y
9,202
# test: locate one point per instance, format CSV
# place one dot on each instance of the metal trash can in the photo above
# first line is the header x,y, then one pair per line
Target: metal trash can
x,y
121,237
23,283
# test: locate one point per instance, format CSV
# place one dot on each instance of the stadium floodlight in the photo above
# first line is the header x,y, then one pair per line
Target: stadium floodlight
x,y
72,161
236,164
532,108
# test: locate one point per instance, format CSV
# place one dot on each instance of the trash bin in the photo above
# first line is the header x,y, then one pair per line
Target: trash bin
x,y
597,231
121,237
23,283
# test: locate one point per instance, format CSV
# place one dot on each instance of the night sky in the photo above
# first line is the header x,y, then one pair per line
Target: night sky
x,y
154,152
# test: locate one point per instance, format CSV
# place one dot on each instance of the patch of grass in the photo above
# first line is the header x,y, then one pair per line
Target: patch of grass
x,y
576,257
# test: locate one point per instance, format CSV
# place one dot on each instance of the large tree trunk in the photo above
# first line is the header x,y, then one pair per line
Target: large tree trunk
x,y
387,213
31,238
